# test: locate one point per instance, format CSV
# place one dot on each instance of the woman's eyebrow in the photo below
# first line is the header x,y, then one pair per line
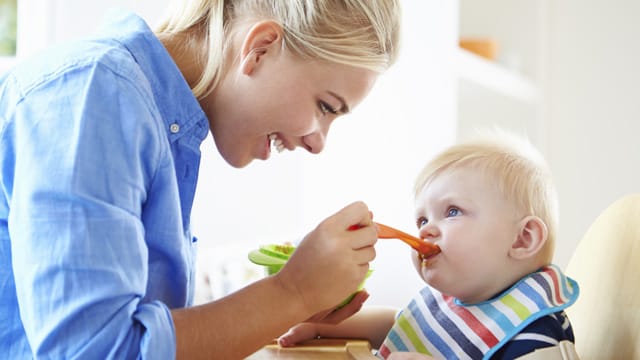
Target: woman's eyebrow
x,y
344,108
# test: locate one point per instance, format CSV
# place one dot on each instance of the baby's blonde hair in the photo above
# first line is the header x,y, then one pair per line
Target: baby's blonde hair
x,y
517,168
360,33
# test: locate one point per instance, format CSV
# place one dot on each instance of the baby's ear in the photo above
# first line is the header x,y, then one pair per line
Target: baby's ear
x,y
532,235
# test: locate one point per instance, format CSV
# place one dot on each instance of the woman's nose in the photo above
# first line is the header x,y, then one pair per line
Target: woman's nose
x,y
315,141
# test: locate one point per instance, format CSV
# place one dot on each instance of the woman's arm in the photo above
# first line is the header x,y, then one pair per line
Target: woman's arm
x,y
326,267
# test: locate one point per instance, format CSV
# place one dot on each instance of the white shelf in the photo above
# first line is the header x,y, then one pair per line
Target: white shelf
x,y
495,77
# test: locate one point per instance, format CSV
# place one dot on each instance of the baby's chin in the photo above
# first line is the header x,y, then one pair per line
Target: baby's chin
x,y
430,277
448,287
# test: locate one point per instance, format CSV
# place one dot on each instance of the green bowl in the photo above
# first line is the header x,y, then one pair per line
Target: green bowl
x,y
272,269
274,256
360,287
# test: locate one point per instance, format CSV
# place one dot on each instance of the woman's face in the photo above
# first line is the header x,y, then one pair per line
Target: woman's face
x,y
277,93
463,212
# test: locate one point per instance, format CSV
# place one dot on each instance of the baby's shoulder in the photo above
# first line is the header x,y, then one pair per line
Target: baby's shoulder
x,y
544,332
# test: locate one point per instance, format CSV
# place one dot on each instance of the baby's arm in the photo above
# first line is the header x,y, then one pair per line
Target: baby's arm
x,y
371,323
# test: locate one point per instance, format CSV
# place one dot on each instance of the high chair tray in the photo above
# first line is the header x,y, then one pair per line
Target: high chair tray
x,y
336,349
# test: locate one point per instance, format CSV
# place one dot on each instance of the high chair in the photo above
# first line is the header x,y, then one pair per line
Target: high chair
x,y
606,265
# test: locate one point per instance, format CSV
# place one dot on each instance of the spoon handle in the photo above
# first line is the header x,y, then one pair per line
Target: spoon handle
x,y
423,247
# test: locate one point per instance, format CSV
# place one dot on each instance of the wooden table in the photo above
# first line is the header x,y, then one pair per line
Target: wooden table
x,y
335,349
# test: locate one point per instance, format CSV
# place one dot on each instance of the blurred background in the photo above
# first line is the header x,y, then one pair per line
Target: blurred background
x,y
563,73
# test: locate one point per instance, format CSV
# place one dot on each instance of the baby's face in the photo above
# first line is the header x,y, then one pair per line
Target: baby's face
x,y
463,212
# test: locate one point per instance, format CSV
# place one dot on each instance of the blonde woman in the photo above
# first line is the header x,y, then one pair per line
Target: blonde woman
x,y
492,292
99,157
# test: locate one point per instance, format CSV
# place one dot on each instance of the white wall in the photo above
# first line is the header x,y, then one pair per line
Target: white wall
x,y
595,108
42,23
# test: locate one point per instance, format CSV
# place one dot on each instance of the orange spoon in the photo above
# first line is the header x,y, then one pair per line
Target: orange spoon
x,y
425,248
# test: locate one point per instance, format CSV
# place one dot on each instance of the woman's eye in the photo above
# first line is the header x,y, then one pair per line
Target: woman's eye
x,y
326,108
453,212
422,221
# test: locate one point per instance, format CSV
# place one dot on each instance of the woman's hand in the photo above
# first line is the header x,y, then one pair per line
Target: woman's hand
x,y
330,263
335,316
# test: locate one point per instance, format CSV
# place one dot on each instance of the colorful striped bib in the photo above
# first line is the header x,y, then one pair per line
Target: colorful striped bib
x,y
446,328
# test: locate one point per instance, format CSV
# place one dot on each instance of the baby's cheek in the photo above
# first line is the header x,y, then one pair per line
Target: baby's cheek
x,y
417,262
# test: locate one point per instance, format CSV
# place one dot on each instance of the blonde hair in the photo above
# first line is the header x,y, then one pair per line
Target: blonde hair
x,y
517,168
360,33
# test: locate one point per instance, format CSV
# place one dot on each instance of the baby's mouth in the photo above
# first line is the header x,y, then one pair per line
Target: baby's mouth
x,y
426,260
276,142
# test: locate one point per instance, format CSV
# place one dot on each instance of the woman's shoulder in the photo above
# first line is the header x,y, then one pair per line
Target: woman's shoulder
x,y
69,60
108,44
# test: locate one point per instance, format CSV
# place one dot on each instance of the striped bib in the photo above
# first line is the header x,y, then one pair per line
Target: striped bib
x,y
444,327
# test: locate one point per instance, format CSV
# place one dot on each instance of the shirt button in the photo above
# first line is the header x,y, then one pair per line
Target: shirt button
x,y
174,128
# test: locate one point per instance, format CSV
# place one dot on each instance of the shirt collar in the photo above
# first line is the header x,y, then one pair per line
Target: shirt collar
x,y
174,98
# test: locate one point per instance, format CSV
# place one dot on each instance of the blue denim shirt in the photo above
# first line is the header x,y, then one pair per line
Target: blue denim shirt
x,y
99,157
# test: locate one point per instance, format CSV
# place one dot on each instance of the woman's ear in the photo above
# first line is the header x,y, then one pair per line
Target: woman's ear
x,y
532,235
265,37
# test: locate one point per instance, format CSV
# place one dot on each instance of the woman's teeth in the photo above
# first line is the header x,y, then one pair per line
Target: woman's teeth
x,y
276,143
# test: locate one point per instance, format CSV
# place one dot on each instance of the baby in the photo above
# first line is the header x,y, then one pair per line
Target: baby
x,y
491,206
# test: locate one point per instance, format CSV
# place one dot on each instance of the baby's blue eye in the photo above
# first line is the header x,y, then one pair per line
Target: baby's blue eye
x,y
422,221
453,212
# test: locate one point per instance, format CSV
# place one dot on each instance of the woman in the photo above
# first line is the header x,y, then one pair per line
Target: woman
x,y
100,152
